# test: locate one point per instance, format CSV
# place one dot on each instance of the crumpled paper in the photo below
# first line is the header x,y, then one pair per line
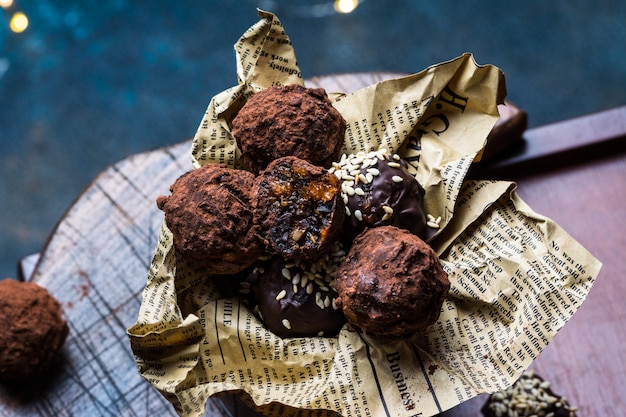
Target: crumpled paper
x,y
516,276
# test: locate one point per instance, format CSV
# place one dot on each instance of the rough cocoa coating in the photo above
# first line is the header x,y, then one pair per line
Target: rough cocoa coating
x,y
33,331
210,216
297,208
293,304
391,283
385,193
288,120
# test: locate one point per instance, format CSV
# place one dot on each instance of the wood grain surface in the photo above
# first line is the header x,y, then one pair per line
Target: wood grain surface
x,y
97,258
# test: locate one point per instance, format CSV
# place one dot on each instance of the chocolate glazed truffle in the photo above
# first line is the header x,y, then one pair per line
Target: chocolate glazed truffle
x,y
209,214
378,190
33,332
297,298
297,208
391,283
288,120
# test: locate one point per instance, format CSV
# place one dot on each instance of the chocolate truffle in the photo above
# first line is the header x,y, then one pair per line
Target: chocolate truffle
x,y
297,208
391,283
33,332
377,189
529,396
297,299
288,120
210,216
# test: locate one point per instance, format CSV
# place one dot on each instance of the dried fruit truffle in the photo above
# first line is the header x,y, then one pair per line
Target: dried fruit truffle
x,y
529,396
288,120
391,283
296,298
297,208
378,190
210,216
33,333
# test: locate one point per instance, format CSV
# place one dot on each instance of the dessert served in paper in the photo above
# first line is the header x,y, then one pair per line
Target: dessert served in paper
x,y
499,280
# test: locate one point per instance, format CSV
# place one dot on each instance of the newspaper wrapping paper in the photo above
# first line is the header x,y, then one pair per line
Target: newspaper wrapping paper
x,y
516,276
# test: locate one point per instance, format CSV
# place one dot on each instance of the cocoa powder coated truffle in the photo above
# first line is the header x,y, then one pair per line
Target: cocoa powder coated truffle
x,y
391,283
33,332
289,120
210,216
297,208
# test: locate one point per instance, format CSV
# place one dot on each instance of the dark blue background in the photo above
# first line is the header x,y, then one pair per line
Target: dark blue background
x,y
92,82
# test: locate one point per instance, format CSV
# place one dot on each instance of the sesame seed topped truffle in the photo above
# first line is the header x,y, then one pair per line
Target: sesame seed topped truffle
x,y
297,298
377,190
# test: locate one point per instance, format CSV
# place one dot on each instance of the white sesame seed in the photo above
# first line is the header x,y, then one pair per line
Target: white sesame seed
x,y
363,179
347,211
287,324
393,164
320,333
433,225
281,295
388,209
286,273
309,288
359,192
374,171
358,215
396,178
